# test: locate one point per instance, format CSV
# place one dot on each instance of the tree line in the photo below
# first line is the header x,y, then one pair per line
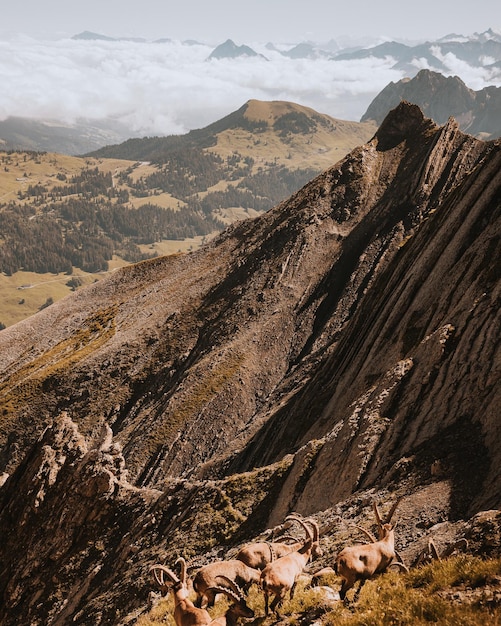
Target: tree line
x,y
85,234
86,219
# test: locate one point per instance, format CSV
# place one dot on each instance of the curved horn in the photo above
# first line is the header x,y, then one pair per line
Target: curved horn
x,y
158,574
233,592
461,544
432,549
399,556
392,511
315,527
400,565
300,520
183,569
368,534
285,538
230,588
377,514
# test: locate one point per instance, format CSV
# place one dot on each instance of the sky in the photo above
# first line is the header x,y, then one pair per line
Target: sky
x,y
170,88
214,21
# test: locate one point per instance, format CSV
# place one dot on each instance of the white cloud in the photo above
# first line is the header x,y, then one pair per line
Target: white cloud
x,y
474,77
166,88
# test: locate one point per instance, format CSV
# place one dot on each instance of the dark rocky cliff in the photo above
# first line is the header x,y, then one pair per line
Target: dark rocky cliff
x,y
439,96
342,346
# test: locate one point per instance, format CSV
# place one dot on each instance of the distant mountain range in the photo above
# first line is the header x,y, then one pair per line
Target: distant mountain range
x,y
20,133
439,97
229,50
478,50
87,35
481,50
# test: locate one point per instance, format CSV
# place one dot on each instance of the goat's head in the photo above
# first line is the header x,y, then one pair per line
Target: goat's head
x,y
384,522
242,610
316,550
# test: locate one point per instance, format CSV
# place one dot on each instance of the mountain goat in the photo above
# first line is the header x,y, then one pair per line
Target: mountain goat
x,y
362,562
280,576
186,613
257,555
205,580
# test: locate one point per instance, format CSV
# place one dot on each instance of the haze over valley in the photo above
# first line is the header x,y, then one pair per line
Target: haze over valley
x,y
119,88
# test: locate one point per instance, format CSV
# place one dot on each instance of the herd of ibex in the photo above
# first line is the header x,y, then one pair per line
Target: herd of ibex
x,y
276,567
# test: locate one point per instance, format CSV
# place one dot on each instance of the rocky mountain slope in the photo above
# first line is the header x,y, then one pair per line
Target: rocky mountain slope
x,y
343,346
439,97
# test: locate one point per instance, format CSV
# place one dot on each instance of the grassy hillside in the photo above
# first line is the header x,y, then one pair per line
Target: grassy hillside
x,y
462,590
80,217
278,132
22,175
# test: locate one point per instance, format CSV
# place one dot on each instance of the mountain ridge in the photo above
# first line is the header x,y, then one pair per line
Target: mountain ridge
x,y
390,132
409,58
253,116
441,97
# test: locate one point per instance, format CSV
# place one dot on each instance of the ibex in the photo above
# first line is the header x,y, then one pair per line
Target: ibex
x,y
280,576
186,613
205,581
380,523
258,555
359,563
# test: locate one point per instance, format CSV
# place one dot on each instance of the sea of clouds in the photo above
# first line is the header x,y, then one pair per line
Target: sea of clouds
x,y
156,88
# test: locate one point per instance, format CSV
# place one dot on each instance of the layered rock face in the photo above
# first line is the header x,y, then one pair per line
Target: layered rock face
x,y
344,343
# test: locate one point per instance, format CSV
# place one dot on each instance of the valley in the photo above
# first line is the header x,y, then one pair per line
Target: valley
x,y
81,217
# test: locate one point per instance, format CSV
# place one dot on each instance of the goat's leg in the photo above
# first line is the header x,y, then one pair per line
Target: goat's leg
x,y
357,592
277,601
345,586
